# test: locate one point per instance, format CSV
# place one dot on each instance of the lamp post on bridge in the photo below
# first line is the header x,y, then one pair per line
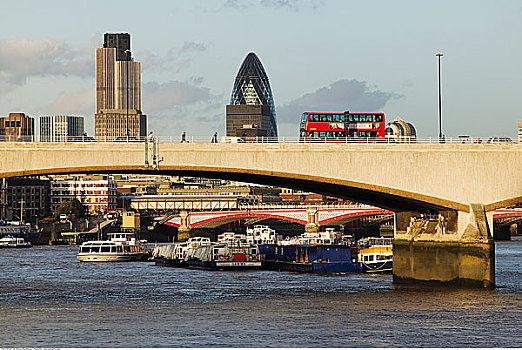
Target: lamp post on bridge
x,y
441,135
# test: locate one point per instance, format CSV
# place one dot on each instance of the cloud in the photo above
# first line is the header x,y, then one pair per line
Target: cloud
x,y
293,5
75,103
23,58
161,97
342,95
176,59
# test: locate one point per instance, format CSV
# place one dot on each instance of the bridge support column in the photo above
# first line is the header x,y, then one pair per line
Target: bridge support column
x,y
452,248
312,220
184,227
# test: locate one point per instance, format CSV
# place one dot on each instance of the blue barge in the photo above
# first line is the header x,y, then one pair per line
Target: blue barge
x,y
328,258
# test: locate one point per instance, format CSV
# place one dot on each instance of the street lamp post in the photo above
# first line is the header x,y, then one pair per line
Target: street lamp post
x,y
441,136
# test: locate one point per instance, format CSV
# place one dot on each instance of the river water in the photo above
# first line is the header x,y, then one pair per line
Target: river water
x,y
49,299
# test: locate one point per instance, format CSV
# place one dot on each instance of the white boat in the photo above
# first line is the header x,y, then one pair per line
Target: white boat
x,y
18,229
330,236
375,254
121,246
232,251
261,234
14,242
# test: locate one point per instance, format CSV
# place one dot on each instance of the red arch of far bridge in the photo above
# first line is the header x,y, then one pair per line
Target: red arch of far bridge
x,y
502,213
240,215
355,214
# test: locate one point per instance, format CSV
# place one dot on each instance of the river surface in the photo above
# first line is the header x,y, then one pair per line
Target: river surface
x,y
49,299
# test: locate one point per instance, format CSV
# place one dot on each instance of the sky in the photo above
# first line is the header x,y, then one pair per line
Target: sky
x,y
320,55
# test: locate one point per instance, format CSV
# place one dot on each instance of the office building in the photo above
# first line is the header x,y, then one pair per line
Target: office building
x,y
61,128
17,127
251,112
24,198
118,91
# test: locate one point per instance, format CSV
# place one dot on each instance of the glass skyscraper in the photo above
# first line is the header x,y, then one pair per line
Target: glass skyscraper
x,y
251,88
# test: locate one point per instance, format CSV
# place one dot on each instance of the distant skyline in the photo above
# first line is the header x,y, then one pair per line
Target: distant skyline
x,y
330,55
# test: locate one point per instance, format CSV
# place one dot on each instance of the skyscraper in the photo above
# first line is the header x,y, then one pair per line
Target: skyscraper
x,y
118,90
251,111
61,128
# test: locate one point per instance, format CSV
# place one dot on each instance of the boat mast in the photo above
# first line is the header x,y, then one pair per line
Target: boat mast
x,y
22,210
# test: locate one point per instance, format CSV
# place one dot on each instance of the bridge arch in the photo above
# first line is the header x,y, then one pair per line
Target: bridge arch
x,y
380,196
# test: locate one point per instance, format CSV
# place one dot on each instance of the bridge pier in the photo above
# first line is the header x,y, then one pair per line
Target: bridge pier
x,y
312,220
184,227
452,248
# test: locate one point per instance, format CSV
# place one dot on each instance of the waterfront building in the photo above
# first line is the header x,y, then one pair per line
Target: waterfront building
x,y
400,130
289,195
61,128
17,127
97,192
24,198
118,91
251,112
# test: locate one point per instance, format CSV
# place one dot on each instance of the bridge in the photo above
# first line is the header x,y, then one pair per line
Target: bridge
x,y
461,183
311,217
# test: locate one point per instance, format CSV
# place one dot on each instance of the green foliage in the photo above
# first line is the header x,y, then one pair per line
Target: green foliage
x,y
74,207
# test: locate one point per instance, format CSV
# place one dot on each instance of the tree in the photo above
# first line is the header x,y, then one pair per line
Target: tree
x,y
74,207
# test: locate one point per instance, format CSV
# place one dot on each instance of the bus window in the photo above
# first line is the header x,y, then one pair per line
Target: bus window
x,y
367,134
305,115
329,118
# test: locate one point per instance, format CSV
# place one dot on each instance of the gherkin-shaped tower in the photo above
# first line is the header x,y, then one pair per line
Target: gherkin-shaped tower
x,y
251,87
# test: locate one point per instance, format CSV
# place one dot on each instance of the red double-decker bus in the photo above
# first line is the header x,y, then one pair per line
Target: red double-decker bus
x,y
339,126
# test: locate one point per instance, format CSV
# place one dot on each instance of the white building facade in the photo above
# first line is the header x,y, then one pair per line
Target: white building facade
x,y
98,192
61,128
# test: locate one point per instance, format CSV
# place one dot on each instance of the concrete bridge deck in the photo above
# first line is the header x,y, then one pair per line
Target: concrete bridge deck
x,y
391,176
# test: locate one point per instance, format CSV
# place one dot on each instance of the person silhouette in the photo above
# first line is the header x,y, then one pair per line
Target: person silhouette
x,y
214,138
184,137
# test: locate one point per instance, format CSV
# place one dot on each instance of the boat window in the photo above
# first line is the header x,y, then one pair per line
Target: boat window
x,y
105,249
254,251
95,249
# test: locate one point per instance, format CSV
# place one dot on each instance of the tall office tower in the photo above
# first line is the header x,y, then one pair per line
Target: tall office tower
x,y
251,111
17,127
118,91
61,128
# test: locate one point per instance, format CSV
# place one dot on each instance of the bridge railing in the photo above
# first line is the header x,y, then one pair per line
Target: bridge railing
x,y
266,140
283,205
